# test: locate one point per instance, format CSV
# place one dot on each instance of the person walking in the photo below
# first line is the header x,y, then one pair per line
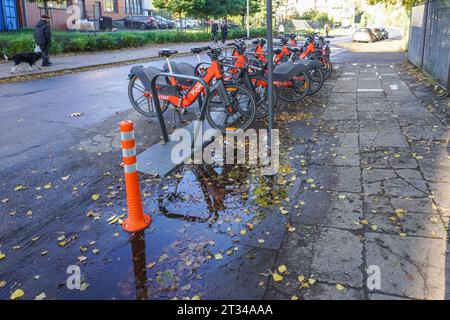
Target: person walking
x,y
214,31
43,38
281,29
327,29
224,30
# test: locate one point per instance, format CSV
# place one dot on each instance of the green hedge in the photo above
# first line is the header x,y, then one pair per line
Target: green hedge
x,y
64,42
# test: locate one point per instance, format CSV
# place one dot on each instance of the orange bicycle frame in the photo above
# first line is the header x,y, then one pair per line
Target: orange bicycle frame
x,y
213,72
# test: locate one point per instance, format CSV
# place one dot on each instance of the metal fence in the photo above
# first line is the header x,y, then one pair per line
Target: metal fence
x,y
429,43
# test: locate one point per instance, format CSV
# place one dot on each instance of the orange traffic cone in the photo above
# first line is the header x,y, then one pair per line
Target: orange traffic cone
x,y
136,220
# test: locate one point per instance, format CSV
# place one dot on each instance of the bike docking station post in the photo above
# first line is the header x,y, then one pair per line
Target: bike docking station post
x,y
136,220
157,160
269,35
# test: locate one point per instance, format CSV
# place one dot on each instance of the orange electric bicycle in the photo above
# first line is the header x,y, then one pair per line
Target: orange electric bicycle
x,y
315,48
227,106
290,79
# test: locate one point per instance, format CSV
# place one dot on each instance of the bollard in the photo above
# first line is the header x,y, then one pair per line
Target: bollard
x,y
136,220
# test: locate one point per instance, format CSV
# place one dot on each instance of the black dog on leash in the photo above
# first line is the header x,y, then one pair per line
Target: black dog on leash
x,y
26,57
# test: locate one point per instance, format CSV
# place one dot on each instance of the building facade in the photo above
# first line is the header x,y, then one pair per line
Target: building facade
x,y
342,11
12,14
17,14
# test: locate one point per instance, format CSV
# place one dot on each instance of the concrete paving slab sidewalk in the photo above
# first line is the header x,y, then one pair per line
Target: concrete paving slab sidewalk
x,y
378,203
77,61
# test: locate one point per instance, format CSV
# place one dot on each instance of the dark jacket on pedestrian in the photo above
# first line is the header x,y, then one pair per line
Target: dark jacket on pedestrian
x,y
224,28
42,34
214,28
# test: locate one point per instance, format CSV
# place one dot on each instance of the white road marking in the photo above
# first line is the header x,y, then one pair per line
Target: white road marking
x,y
393,86
349,73
370,90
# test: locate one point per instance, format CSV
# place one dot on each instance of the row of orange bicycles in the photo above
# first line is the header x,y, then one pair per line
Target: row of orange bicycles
x,y
231,88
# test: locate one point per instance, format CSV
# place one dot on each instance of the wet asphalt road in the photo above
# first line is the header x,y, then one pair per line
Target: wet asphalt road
x,y
52,163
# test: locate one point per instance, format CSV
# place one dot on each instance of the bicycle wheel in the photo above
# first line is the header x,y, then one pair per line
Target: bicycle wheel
x,y
315,76
144,105
261,92
327,66
238,115
295,89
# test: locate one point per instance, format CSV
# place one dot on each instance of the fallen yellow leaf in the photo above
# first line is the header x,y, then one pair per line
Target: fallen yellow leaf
x,y
277,277
340,287
282,268
17,294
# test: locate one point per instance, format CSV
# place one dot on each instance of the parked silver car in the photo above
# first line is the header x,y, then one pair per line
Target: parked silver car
x,y
364,35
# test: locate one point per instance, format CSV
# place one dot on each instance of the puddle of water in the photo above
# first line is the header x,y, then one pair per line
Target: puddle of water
x,y
199,216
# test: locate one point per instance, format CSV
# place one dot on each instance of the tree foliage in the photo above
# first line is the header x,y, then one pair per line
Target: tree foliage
x,y
209,8
407,4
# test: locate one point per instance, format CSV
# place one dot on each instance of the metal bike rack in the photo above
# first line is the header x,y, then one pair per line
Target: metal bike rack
x,y
157,160
202,104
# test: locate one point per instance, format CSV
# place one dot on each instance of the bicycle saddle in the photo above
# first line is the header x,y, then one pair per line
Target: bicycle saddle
x,y
197,50
167,52
277,50
286,71
294,49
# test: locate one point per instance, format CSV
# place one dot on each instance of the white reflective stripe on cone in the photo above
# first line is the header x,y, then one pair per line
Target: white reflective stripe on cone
x,y
130,152
127,135
129,168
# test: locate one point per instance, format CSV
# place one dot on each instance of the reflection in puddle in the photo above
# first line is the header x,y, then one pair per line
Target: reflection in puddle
x,y
200,216
140,270
229,201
